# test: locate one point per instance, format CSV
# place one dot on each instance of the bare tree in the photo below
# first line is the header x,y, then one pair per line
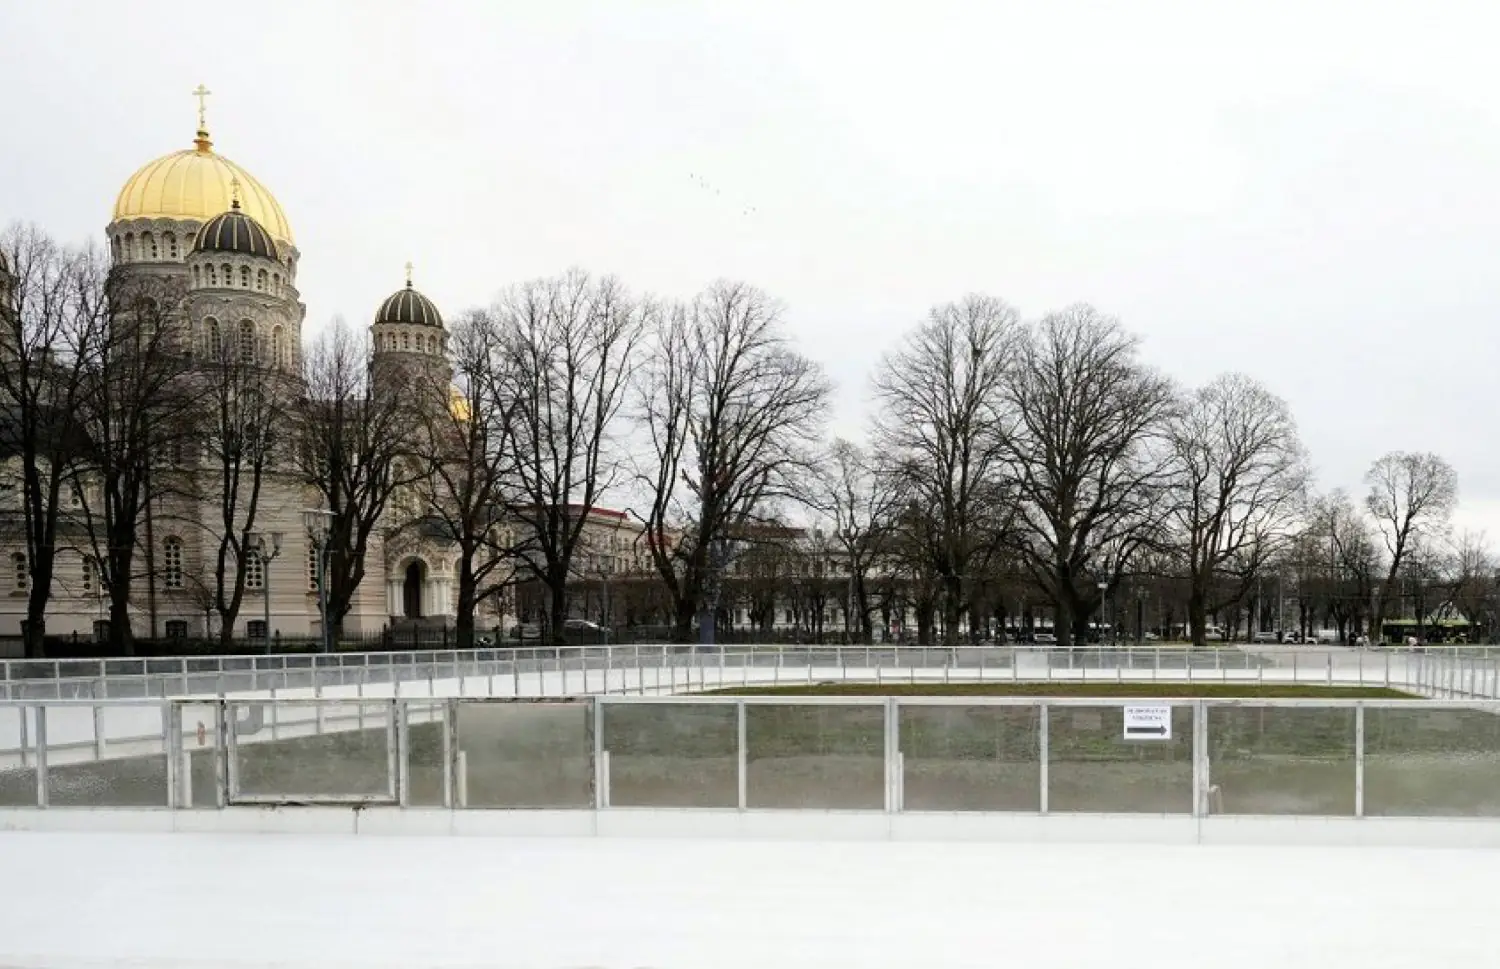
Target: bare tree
x,y
137,406
244,431
569,347
51,309
355,433
733,414
861,504
466,467
941,430
1237,480
1471,574
1411,497
1084,452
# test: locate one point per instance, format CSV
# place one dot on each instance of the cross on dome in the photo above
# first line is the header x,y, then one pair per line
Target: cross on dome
x,y
202,141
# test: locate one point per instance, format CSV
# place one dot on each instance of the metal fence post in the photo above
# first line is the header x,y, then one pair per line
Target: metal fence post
x,y
1200,759
393,783
891,746
41,754
741,756
450,749
225,770
99,732
1044,752
601,763
1359,759
172,741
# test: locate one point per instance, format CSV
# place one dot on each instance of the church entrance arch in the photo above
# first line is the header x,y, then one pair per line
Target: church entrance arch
x,y
411,590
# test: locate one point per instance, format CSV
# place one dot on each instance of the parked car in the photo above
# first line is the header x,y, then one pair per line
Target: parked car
x,y
581,626
1044,639
526,630
1264,636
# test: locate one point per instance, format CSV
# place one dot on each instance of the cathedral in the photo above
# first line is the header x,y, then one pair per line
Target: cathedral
x,y
200,220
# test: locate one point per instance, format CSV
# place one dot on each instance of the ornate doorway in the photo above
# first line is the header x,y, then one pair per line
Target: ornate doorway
x,y
411,591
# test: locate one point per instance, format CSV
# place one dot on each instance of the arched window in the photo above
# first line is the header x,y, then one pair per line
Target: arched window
x,y
129,246
247,341
213,275
278,347
171,240
255,570
245,277
213,337
88,574
118,249
260,281
22,571
276,283
406,341
197,276
171,563
148,246
432,344
228,271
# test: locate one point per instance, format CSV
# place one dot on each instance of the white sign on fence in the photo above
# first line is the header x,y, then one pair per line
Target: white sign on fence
x,y
1148,723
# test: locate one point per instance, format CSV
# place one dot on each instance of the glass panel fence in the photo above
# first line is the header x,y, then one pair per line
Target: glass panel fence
x,y
107,756
980,758
672,755
815,757
426,723
17,757
330,749
1281,760
1093,767
1432,763
525,755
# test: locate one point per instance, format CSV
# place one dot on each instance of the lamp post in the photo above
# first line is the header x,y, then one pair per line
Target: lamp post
x,y
266,556
318,521
1103,606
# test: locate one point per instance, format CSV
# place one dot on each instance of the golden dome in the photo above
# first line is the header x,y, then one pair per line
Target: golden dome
x,y
197,184
459,406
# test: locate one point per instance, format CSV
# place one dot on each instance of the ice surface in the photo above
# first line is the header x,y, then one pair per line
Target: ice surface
x,y
244,902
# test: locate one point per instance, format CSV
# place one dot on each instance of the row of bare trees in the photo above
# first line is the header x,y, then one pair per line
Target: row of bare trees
x,y
1045,452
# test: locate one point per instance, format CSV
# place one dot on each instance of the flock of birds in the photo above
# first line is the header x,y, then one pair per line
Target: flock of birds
x,y
703,184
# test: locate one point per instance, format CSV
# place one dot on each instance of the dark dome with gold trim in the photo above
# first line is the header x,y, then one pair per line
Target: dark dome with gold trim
x,y
406,305
236,232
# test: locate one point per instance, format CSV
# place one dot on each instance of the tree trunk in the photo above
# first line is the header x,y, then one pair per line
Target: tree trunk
x,y
1198,618
557,607
682,624
121,642
36,614
227,619
952,601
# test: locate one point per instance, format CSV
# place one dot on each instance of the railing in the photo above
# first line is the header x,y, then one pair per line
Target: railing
x,y
1188,757
1456,671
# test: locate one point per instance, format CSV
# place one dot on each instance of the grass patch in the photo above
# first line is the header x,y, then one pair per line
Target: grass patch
x,y
1164,691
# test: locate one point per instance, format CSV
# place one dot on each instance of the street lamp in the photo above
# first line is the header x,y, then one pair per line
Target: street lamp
x,y
318,522
266,556
1103,607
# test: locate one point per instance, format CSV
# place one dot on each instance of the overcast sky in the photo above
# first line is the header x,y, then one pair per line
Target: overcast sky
x,y
1305,190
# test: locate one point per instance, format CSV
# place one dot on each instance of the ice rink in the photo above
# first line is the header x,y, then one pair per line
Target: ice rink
x,y
237,902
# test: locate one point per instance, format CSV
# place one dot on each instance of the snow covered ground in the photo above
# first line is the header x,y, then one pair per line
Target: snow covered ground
x,y
324,902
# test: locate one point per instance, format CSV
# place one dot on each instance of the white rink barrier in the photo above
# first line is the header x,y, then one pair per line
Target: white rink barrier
x,y
81,731
233,675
